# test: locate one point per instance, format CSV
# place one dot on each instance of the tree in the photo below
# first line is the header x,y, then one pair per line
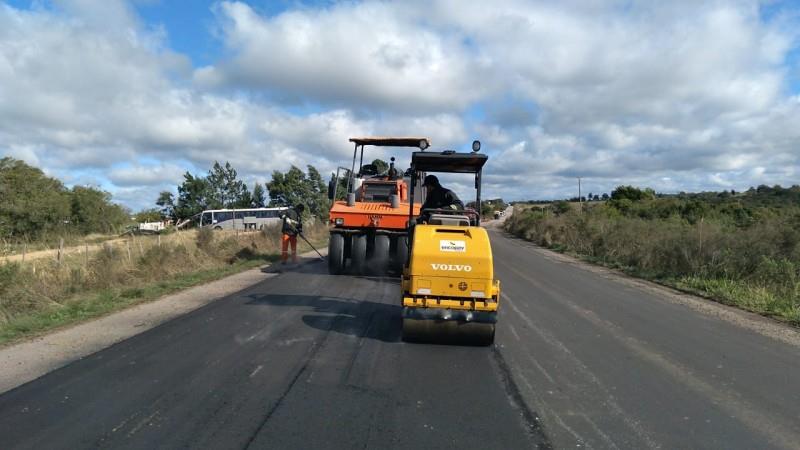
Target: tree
x,y
221,188
259,196
148,215
498,203
93,211
166,201
245,200
341,189
193,197
225,188
381,165
31,203
633,194
317,200
283,187
605,196
295,187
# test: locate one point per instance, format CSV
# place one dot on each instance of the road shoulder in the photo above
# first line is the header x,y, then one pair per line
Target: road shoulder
x,y
765,326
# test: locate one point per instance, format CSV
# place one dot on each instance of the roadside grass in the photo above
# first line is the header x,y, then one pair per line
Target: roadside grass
x,y
756,268
51,241
96,304
737,293
37,297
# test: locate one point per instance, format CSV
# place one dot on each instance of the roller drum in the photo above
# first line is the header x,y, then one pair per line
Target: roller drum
x,y
448,332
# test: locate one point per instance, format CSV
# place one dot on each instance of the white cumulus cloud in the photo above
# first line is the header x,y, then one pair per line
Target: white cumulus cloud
x,y
673,95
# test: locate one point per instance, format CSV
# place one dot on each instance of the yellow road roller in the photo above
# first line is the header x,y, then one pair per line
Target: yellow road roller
x,y
449,292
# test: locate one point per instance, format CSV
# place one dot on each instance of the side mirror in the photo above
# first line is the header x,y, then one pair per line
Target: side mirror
x,y
331,189
476,145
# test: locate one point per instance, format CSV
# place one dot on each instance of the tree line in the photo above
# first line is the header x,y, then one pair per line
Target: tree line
x,y
740,248
34,205
221,188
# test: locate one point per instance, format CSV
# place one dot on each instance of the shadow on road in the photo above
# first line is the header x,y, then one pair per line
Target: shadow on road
x,y
364,319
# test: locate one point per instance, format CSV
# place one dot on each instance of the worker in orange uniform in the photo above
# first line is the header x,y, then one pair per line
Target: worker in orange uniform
x,y
292,226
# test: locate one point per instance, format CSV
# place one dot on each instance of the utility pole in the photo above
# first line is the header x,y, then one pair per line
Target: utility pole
x,y
580,202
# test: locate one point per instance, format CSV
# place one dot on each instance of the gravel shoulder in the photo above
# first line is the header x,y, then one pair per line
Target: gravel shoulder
x,y
29,360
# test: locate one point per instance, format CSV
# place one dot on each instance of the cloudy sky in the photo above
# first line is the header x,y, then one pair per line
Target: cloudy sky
x,y
679,95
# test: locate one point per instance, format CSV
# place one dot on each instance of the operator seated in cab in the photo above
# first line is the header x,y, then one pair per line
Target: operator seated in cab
x,y
438,198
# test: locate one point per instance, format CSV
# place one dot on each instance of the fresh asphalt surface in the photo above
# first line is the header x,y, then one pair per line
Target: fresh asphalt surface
x,y
308,360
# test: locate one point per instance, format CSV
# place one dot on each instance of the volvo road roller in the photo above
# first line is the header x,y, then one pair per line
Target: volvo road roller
x,y
369,228
449,292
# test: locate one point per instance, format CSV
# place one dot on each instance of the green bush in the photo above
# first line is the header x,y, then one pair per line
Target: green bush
x,y
749,256
560,207
36,207
205,238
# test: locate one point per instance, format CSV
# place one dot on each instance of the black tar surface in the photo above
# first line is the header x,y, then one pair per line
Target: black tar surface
x,y
309,360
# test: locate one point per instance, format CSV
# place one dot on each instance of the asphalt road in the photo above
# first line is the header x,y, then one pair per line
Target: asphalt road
x,y
308,360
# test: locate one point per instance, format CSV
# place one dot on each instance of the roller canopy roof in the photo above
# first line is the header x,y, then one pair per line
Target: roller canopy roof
x,y
448,162
391,141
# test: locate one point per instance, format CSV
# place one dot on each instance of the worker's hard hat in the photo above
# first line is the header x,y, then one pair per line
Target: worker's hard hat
x,y
431,180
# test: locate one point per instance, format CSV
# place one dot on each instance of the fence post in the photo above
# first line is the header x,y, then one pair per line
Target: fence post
x,y
60,250
86,244
159,239
24,251
128,248
700,250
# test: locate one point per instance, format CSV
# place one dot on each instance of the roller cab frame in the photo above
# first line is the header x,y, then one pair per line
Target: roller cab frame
x,y
449,293
369,229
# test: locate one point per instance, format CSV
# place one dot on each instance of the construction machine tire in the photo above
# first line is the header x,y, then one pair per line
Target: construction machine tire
x,y
336,254
358,253
448,332
380,254
401,255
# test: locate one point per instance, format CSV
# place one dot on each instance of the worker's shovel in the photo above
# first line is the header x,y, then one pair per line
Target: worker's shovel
x,y
300,233
311,245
